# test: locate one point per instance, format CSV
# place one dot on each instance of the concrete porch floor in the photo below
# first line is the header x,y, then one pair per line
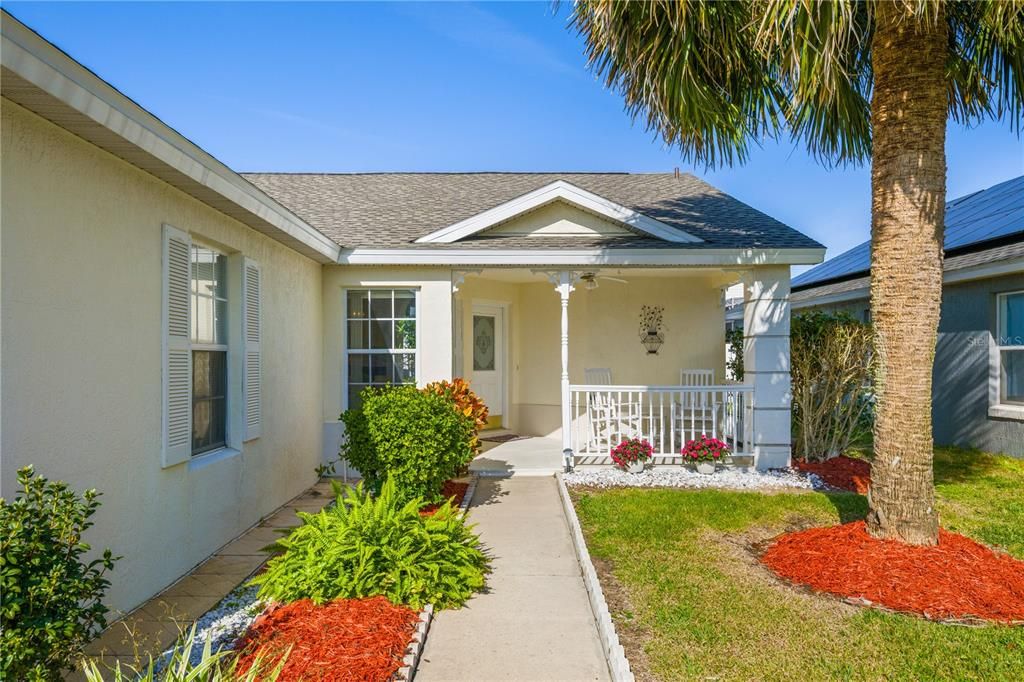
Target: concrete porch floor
x,y
528,456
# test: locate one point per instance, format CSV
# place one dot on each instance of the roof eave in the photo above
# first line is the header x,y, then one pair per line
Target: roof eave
x,y
682,257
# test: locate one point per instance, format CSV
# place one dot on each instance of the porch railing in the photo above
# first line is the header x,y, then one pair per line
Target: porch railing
x,y
667,416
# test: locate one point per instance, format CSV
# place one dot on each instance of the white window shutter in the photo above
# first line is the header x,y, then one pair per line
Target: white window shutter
x,y
177,346
252,304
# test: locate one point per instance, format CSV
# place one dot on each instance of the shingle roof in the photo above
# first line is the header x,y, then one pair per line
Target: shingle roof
x,y
993,213
392,210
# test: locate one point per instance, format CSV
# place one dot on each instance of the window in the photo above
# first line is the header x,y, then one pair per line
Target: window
x,y
209,349
1010,344
381,333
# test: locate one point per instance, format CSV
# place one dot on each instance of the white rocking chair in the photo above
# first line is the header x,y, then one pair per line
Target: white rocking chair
x,y
605,418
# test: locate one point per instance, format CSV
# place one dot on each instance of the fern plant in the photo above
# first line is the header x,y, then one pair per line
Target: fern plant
x,y
365,546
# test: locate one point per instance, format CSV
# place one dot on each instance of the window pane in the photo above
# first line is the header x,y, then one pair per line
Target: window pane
x,y
483,343
380,334
405,303
405,334
358,334
1011,320
381,369
209,373
359,368
220,326
380,304
354,401
358,304
1012,380
405,368
209,403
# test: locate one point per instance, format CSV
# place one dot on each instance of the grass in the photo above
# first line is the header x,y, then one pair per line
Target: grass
x,y
691,601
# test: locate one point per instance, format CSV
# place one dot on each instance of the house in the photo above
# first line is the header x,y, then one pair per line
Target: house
x,y
978,390
184,337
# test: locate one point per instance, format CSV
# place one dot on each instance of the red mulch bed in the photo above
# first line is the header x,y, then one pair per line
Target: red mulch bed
x,y
348,639
845,473
958,579
451,490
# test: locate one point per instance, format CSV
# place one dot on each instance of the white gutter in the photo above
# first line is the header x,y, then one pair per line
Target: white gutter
x,y
582,257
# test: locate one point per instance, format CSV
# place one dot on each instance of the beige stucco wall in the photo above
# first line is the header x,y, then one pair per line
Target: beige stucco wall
x,y
81,350
603,332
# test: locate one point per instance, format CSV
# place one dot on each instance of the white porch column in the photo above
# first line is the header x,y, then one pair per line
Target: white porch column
x,y
766,362
564,288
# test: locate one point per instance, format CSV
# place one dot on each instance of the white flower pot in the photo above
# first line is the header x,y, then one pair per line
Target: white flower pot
x,y
636,468
706,468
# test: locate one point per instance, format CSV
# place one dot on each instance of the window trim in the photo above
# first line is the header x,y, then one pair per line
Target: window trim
x,y
997,408
415,352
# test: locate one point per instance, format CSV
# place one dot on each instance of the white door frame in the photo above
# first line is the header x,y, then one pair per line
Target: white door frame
x,y
502,361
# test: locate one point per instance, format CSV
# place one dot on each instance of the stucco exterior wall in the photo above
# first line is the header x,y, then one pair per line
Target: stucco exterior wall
x,y
81,347
960,393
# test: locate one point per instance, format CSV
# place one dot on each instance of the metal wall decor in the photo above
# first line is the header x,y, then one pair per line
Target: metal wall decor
x,y
651,328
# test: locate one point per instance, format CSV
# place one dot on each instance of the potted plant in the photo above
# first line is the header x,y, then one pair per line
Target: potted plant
x,y
705,452
631,454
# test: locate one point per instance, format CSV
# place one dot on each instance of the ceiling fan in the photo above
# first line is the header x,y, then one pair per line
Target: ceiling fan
x,y
589,279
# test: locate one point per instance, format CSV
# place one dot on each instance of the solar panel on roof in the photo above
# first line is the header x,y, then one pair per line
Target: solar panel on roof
x,y
988,214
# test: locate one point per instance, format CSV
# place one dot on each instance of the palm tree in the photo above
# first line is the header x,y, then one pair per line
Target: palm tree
x,y
853,81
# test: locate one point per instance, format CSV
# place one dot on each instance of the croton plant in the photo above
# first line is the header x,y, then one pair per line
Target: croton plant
x,y
466,401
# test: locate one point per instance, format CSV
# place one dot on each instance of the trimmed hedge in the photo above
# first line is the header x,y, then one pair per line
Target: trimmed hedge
x,y
412,435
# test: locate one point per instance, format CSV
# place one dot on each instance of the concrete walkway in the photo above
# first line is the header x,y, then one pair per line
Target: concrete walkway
x,y
534,622
529,456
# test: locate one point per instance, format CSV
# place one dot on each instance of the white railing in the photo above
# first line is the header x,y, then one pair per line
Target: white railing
x,y
667,416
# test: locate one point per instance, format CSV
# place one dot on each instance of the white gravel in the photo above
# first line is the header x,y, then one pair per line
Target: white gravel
x,y
669,476
223,624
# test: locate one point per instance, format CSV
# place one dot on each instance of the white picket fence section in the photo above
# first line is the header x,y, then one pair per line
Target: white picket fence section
x,y
667,416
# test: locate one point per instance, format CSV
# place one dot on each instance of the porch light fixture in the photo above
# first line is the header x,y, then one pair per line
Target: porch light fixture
x,y
651,335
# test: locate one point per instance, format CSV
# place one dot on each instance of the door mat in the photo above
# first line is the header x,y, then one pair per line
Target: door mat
x,y
504,438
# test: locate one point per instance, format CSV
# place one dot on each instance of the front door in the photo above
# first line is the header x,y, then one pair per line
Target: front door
x,y
489,359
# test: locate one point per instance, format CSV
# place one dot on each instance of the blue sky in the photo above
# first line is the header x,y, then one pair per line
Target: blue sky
x,y
435,87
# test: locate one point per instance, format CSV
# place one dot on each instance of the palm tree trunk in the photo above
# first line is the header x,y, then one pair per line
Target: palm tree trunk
x,y
908,194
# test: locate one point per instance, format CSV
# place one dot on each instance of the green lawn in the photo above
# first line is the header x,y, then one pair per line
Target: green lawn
x,y
691,601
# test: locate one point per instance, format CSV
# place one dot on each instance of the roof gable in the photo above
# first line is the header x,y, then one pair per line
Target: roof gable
x,y
557,191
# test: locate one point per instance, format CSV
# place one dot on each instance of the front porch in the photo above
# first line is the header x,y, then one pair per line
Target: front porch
x,y
574,371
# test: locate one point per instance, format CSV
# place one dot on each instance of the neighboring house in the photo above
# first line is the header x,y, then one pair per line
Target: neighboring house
x,y
184,338
978,393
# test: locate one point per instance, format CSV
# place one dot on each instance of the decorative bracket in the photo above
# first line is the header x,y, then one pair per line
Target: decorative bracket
x,y
564,281
459,277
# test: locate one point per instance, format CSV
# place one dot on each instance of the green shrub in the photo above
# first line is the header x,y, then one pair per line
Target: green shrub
x,y
213,666
734,363
412,435
52,598
365,546
831,361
